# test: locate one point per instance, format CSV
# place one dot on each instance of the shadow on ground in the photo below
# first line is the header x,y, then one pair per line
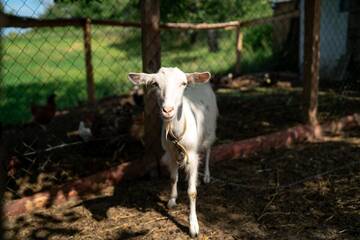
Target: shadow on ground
x,y
307,192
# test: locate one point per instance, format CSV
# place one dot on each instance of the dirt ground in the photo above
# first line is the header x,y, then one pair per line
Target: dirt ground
x,y
310,191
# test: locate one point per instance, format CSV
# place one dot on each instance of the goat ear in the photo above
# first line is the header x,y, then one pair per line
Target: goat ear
x,y
141,78
197,77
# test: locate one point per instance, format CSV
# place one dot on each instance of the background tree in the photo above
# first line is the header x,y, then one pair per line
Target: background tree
x,y
195,11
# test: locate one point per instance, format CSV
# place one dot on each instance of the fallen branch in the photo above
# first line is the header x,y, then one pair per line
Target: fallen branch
x,y
78,189
49,149
94,184
281,139
60,146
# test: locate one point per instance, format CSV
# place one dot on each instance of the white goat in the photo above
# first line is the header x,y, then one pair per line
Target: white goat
x,y
189,112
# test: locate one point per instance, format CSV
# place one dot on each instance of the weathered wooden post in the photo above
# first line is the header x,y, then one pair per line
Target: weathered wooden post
x,y
3,172
88,62
151,58
239,47
311,61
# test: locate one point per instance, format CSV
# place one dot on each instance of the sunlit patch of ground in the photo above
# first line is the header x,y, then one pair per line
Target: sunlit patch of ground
x,y
310,191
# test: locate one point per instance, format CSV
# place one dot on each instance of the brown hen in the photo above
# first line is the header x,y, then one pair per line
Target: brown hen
x,y
43,114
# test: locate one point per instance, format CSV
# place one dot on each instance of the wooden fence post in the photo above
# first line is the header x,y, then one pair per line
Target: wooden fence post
x,y
239,47
88,62
311,60
151,58
3,172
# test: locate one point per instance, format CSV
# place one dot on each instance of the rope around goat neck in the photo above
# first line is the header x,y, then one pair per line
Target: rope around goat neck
x,y
176,141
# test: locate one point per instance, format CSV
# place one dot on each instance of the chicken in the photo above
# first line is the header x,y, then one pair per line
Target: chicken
x,y
138,96
137,131
12,166
84,132
43,114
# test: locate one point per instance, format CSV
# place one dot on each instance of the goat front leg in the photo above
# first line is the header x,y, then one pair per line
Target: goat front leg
x,y
192,171
174,176
206,168
173,168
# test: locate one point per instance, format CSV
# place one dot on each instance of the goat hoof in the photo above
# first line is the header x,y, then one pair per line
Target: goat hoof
x,y
171,203
194,227
206,179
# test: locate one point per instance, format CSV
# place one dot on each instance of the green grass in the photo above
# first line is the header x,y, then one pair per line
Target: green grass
x,y
45,61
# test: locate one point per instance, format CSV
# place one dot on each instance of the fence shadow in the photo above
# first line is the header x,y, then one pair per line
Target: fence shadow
x,y
305,192
256,198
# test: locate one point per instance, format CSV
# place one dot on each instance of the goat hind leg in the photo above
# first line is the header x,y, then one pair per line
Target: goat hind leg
x,y
206,178
192,171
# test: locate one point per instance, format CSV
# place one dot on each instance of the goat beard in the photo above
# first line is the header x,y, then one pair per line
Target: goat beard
x,y
167,129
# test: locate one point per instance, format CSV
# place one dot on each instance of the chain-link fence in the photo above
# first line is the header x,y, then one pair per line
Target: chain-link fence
x,y
41,61
339,82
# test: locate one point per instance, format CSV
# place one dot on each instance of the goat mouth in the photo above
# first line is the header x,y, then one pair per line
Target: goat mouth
x,y
167,118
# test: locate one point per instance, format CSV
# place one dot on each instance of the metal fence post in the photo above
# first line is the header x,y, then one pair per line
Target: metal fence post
x,y
88,62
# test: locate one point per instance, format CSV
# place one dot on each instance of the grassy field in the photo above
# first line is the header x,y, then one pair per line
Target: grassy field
x,y
44,61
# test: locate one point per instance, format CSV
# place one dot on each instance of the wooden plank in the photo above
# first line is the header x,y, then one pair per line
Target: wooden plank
x,y
115,23
239,47
200,26
151,59
311,61
88,62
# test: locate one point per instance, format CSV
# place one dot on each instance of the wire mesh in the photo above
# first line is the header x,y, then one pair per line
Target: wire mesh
x,y
39,62
339,82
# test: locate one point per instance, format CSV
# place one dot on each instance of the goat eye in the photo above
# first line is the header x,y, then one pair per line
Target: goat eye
x,y
184,84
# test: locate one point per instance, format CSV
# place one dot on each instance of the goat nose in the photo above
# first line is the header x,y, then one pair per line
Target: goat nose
x,y
167,109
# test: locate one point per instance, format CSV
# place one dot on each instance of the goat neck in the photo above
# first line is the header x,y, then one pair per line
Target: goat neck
x,y
175,128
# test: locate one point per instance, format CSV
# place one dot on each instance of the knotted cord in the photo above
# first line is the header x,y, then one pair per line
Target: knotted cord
x,y
170,136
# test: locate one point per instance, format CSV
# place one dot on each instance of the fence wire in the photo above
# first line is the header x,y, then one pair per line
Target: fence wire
x,y
339,81
42,61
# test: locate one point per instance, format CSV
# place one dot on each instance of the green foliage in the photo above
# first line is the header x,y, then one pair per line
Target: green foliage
x,y
96,9
212,10
170,10
258,37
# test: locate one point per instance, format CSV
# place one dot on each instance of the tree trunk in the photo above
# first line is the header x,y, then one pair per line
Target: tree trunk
x,y
151,57
193,37
311,60
212,37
